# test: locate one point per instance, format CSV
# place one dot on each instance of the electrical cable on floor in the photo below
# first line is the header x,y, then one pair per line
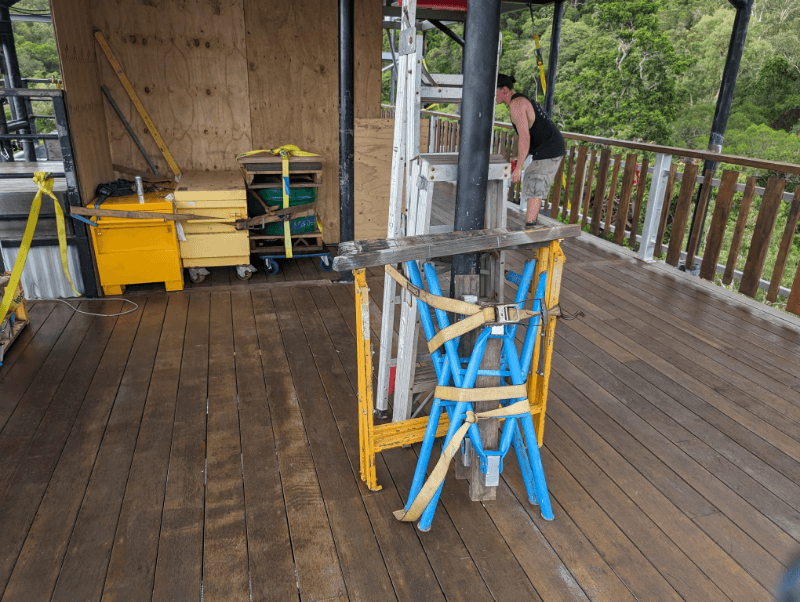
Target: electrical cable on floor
x,y
87,313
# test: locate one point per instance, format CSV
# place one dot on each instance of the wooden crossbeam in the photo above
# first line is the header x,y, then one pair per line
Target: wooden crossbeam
x,y
368,253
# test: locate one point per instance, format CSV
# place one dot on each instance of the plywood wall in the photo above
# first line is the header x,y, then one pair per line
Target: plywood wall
x,y
373,165
187,61
220,77
82,92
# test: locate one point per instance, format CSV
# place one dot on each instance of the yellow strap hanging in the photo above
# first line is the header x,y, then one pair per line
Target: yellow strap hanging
x,y
287,228
45,185
540,62
294,151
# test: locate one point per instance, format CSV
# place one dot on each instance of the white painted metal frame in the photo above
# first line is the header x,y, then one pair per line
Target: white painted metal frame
x,y
654,203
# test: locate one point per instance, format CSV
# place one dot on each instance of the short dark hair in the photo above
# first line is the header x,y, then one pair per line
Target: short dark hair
x,y
505,81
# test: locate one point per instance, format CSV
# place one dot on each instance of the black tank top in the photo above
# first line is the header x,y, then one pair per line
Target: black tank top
x,y
546,141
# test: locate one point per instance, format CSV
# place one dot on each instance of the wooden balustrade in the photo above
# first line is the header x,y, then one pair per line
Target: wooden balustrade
x,y
616,208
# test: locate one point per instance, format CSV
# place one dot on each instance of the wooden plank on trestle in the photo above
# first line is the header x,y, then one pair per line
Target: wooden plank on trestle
x,y
700,214
681,216
600,192
367,253
133,556
587,195
568,181
625,198
577,186
719,222
665,207
640,188
786,244
738,231
556,193
762,234
612,193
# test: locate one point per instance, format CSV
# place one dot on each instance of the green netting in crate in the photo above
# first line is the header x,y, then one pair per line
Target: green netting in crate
x,y
297,196
301,225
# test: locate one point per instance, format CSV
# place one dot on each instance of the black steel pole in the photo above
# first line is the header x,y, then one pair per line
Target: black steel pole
x,y
12,76
482,33
447,31
725,98
346,127
552,60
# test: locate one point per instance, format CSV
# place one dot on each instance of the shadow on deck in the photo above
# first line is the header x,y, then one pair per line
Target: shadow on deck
x,y
207,444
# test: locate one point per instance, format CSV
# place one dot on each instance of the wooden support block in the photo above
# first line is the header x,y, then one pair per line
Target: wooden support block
x,y
490,435
466,285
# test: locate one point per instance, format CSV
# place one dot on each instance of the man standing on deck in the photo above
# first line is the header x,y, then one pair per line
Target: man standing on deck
x,y
539,138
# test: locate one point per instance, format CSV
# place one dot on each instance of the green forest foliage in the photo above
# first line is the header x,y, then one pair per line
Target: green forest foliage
x,y
651,71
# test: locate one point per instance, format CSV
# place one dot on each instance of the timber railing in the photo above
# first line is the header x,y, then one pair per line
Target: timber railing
x,y
653,199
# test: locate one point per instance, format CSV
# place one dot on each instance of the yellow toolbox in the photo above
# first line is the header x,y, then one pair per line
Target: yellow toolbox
x,y
133,251
221,197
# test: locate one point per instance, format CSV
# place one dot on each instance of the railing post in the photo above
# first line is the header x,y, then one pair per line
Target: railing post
x,y
655,200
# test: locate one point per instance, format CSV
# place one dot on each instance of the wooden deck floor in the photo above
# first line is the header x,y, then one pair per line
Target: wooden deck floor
x,y
205,447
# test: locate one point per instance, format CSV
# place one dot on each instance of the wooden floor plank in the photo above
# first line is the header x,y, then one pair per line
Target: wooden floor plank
x,y
133,555
35,411
319,574
411,575
37,314
666,498
271,563
363,566
747,430
653,423
225,562
36,568
83,570
700,362
677,568
180,548
51,347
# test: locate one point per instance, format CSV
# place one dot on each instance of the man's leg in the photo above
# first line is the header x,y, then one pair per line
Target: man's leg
x,y
536,185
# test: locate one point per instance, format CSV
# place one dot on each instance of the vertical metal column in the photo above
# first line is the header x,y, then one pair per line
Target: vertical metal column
x,y
346,128
73,198
19,110
552,60
482,33
725,98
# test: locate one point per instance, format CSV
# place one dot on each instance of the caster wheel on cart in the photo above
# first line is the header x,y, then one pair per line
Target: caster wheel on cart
x,y
246,276
272,266
195,277
325,263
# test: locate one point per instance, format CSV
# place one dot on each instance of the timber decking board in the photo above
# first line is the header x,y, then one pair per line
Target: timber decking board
x,y
37,314
670,453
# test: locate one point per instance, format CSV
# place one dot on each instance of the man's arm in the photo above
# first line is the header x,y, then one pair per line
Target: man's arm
x,y
519,116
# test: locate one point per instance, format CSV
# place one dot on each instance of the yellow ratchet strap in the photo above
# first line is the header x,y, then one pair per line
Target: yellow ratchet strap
x,y
45,185
440,470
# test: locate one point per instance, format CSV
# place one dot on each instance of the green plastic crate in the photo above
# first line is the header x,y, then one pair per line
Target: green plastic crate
x,y
301,225
297,196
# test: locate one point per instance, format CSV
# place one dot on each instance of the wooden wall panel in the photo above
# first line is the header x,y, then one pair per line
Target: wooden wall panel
x,y
187,61
373,168
76,51
292,58
368,47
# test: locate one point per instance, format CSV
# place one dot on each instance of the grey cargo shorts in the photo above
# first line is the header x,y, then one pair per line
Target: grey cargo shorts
x,y
539,177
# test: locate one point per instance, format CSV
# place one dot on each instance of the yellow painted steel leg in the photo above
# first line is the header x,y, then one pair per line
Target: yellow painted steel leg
x,y
539,384
287,228
366,434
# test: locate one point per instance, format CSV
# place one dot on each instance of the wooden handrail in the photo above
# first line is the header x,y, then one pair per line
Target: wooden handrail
x,y
777,166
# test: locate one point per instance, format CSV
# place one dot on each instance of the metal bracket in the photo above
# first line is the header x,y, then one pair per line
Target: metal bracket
x,y
408,44
505,314
423,183
491,476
